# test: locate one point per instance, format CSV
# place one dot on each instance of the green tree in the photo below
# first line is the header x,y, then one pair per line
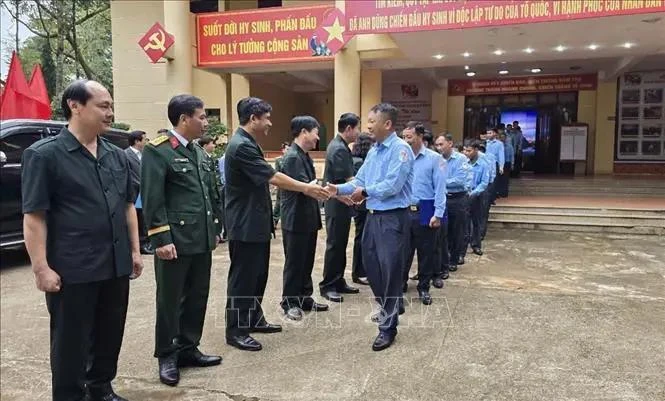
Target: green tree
x,y
217,130
77,32
48,68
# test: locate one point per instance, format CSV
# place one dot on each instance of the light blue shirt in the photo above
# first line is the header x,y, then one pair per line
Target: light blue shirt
x,y
495,148
490,162
517,139
220,168
510,153
459,172
429,180
481,177
386,175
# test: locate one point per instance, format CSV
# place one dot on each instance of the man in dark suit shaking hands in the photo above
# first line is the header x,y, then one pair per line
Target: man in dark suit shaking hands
x,y
137,140
301,219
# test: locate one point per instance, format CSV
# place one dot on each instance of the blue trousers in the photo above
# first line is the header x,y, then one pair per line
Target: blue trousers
x,y
385,238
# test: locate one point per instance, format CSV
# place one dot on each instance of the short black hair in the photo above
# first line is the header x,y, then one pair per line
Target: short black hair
x,y
417,126
516,122
428,137
183,104
76,91
448,137
347,120
298,123
363,145
388,111
249,106
459,146
135,136
205,139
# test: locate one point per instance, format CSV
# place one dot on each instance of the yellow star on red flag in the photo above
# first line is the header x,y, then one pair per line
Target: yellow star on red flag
x,y
335,31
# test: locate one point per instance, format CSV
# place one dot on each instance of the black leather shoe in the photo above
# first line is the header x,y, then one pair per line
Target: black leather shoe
x,y
107,397
347,289
294,313
452,268
415,277
445,275
361,280
382,342
478,251
198,359
245,343
437,282
266,328
333,296
460,262
425,297
168,370
314,307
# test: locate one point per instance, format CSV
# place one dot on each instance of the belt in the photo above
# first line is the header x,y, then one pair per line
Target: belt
x,y
456,195
372,211
414,208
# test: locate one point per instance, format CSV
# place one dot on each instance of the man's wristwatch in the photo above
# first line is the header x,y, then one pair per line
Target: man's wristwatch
x,y
364,193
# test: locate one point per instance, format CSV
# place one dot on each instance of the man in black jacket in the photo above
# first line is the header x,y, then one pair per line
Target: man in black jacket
x,y
249,223
301,219
339,169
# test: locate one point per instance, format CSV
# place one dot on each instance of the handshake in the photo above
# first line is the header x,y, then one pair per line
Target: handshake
x,y
330,191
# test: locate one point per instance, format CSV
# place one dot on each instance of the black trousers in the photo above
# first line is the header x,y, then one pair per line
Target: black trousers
x,y
334,264
248,276
182,299
477,211
422,240
467,226
143,233
358,269
487,198
518,165
457,217
504,181
384,240
442,256
87,326
299,251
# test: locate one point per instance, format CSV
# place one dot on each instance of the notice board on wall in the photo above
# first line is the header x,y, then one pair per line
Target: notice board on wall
x,y
573,142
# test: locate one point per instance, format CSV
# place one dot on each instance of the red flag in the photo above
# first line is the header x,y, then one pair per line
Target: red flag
x,y
38,88
18,101
331,33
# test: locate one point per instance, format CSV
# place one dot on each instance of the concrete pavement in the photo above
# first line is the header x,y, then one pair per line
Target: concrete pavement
x,y
541,316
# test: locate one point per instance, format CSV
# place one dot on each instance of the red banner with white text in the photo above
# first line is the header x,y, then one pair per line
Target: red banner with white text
x,y
390,16
270,35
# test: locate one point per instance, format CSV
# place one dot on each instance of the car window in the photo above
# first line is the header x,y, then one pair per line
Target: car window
x,y
13,145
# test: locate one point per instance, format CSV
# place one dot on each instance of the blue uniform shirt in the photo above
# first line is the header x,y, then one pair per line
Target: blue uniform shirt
x,y
429,180
481,177
386,175
495,148
510,153
220,167
458,173
490,162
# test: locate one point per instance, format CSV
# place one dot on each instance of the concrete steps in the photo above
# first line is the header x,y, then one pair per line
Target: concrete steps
x,y
588,187
579,219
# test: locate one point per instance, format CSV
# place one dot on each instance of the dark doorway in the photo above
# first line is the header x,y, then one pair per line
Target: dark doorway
x,y
540,115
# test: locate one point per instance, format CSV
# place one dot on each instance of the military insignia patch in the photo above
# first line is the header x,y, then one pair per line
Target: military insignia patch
x,y
174,142
403,156
159,140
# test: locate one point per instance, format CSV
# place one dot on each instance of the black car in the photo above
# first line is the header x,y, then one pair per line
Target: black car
x,y
15,137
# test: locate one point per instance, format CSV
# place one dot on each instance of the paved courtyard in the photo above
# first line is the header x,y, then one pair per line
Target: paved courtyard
x,y
541,316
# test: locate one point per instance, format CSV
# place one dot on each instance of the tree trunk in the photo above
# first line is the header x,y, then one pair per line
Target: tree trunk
x,y
60,46
16,22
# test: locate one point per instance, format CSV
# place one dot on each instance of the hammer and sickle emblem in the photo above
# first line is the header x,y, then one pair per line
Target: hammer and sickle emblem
x,y
156,42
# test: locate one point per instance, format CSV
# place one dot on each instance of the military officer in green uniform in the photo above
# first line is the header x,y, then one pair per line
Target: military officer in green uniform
x,y
178,190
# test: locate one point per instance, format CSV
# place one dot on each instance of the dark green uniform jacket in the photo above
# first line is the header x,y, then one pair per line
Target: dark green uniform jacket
x,y
178,190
